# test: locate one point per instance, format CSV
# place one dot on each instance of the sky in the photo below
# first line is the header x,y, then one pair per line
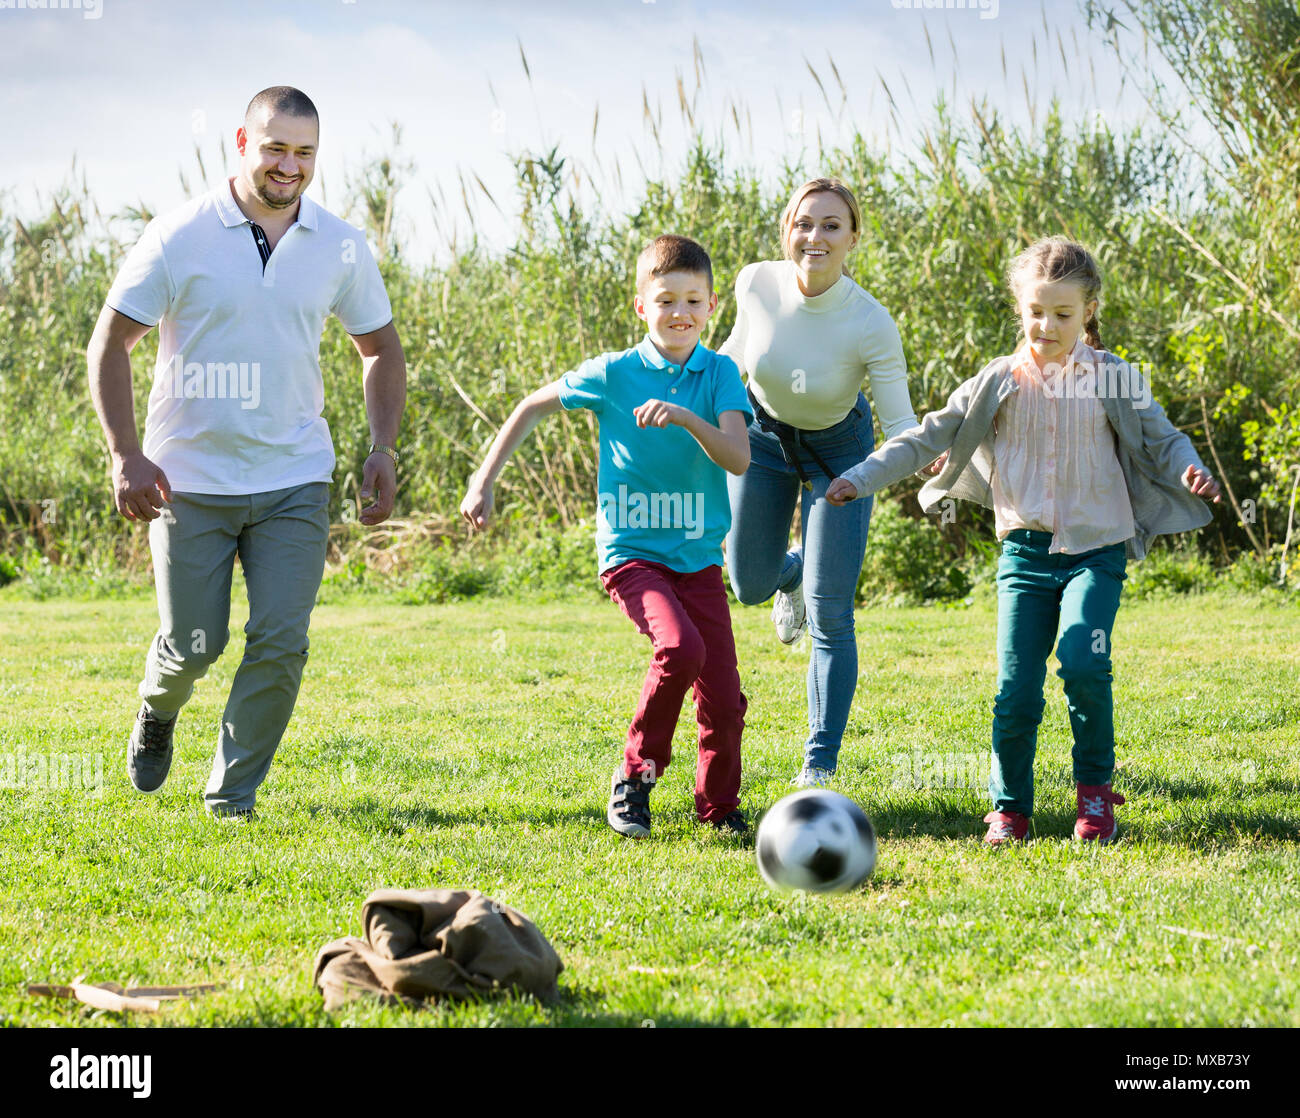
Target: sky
x,y
130,87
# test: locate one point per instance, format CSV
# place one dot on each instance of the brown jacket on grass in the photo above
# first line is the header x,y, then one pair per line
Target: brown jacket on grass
x,y
432,943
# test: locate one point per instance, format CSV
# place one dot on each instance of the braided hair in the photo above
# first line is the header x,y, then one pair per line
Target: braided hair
x,y
1055,260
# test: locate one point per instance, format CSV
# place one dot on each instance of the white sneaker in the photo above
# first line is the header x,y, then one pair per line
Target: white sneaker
x,y
790,615
810,776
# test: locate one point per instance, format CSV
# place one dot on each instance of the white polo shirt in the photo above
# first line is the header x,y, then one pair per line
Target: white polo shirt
x,y
237,392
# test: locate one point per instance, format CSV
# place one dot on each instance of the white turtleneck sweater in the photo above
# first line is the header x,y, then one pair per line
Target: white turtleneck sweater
x,y
806,358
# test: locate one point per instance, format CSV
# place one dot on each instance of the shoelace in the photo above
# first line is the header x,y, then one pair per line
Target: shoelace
x,y
1092,805
153,734
1000,827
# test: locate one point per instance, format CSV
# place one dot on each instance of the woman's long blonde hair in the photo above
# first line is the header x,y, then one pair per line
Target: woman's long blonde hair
x,y
818,186
1056,260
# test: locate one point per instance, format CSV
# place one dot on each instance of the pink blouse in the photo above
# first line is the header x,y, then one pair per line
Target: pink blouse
x,y
1055,467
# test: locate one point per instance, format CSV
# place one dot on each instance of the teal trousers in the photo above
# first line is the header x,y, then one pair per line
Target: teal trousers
x,y
280,538
1069,601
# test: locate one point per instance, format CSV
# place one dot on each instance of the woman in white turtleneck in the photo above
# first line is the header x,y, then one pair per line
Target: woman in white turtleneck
x,y
806,338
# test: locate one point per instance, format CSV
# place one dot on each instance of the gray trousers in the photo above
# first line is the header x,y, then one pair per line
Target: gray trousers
x,y
280,538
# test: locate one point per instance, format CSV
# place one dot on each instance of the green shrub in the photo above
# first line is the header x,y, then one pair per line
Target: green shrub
x,y
907,560
1165,572
516,561
1252,574
448,574
555,560
41,580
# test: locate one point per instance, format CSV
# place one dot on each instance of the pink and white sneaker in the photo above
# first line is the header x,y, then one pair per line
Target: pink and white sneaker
x,y
1005,827
1096,822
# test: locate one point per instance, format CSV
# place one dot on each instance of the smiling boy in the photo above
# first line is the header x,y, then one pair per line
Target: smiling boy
x,y
673,422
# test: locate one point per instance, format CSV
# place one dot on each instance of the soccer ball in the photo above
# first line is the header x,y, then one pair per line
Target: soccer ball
x,y
816,840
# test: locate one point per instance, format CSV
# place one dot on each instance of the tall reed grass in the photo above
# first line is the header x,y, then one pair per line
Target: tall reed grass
x,y
947,201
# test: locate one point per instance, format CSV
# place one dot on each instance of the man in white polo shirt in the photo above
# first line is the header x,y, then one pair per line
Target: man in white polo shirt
x,y
237,458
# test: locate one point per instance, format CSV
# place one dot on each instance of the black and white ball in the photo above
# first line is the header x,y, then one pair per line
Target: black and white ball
x,y
816,840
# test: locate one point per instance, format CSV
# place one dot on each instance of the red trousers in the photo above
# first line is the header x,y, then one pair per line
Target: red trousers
x,y
688,621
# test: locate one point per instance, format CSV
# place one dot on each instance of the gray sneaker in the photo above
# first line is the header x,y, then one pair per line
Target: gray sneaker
x,y
225,813
810,776
149,754
629,803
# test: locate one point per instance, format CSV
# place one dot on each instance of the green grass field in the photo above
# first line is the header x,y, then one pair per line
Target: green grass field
x,y
470,745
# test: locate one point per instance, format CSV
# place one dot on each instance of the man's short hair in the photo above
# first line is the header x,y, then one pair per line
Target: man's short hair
x,y
281,99
671,253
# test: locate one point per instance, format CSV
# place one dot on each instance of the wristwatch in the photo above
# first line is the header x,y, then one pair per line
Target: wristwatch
x,y
390,451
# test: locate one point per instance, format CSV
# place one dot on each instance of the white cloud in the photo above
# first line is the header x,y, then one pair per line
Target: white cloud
x,y
124,92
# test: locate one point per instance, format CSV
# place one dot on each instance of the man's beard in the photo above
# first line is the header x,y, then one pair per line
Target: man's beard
x,y
279,203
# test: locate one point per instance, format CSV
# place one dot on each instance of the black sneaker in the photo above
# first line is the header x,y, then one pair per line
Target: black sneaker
x,y
227,813
149,754
629,804
733,823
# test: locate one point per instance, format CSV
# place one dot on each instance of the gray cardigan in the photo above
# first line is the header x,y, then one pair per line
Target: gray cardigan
x,y
1152,452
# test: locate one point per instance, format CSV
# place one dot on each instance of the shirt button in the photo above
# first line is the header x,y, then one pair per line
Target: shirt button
x,y
673,390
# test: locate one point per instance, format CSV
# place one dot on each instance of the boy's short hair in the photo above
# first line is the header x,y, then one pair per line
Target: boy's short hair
x,y
671,253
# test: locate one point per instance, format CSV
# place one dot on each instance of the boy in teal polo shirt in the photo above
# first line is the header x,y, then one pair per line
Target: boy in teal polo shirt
x,y
673,417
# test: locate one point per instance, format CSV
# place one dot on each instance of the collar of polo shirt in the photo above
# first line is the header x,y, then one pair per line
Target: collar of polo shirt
x,y
232,216
696,363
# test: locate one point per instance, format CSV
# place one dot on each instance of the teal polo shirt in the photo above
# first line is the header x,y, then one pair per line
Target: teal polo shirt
x,y
660,496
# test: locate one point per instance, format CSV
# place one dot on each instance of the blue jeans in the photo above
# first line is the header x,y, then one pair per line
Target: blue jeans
x,y
1069,600
761,562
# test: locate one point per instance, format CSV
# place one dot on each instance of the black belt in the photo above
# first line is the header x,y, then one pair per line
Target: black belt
x,y
791,439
